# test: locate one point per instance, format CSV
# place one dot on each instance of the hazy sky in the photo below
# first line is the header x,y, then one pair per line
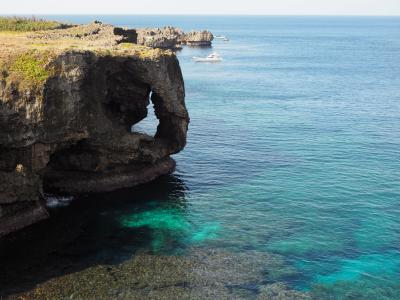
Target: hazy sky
x,y
268,7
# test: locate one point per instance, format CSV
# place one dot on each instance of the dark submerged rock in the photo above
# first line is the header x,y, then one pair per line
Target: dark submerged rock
x,y
198,274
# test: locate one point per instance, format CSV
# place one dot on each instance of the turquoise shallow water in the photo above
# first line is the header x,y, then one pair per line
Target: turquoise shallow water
x,y
294,149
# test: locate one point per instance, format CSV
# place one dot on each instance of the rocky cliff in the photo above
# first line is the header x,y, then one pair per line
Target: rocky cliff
x,y
68,100
171,37
102,34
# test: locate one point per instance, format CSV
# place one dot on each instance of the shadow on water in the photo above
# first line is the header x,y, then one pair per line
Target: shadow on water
x,y
90,231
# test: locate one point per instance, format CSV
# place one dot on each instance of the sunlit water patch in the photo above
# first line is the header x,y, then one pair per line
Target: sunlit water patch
x,y
169,227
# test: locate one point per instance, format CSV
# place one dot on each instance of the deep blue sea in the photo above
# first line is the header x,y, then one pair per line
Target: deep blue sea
x,y
293,150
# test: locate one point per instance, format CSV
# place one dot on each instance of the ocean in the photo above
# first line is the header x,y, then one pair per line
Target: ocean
x,y
293,154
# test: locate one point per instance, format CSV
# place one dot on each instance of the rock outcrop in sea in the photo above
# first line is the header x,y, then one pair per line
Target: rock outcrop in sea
x,y
172,38
199,38
68,100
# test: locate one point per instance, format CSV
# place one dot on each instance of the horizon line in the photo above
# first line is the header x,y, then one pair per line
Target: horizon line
x,y
184,14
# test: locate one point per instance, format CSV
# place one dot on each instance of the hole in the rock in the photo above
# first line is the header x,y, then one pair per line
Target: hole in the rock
x,y
149,124
126,99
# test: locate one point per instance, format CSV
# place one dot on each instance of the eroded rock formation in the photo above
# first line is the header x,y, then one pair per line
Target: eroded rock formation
x,y
171,37
98,33
168,37
199,38
66,113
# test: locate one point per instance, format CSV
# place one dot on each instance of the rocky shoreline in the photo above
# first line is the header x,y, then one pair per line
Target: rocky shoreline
x,y
165,38
68,100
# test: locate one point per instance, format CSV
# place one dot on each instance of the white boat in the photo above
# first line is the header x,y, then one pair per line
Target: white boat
x,y
213,57
222,37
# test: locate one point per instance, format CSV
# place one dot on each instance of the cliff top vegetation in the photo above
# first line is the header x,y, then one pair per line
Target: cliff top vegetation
x,y
27,36
23,24
26,55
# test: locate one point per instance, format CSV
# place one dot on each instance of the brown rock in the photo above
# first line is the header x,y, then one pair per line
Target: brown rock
x,y
199,38
170,37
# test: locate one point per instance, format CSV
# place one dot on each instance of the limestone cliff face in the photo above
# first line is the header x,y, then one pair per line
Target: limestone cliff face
x,y
199,38
65,124
171,37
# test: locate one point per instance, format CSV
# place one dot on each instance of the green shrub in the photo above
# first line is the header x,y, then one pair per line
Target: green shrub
x,y
32,67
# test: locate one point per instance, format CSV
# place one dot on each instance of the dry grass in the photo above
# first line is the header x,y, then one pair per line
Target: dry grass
x,y
19,47
21,24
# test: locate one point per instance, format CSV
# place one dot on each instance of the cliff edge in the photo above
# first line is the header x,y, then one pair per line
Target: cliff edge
x,y
68,101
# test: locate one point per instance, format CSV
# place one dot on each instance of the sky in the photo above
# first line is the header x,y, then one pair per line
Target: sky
x,y
262,7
